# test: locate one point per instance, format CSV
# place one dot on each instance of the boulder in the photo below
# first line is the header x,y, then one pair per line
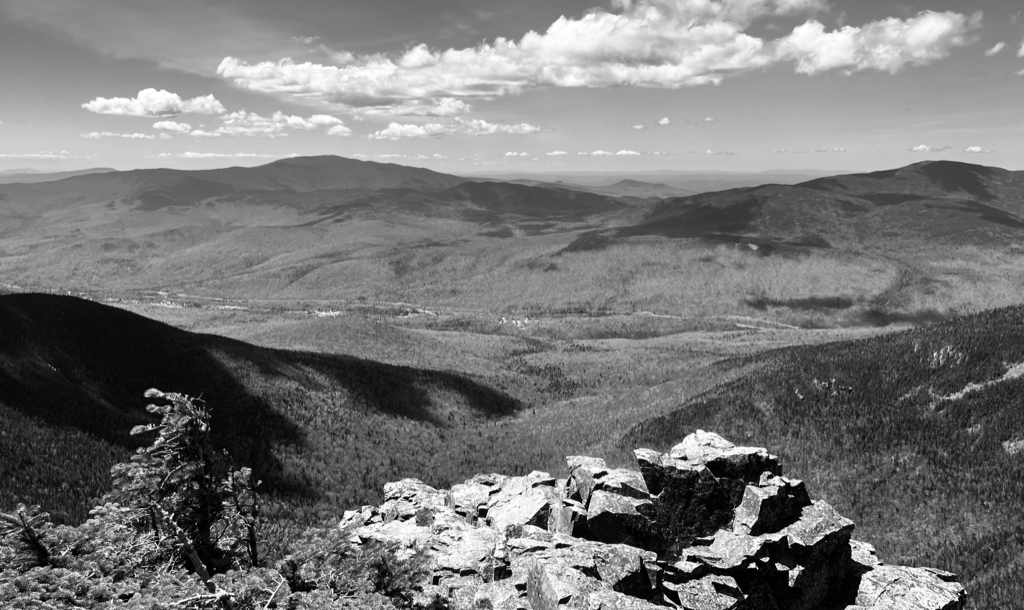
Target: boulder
x,y
615,519
706,526
769,506
551,584
903,588
583,474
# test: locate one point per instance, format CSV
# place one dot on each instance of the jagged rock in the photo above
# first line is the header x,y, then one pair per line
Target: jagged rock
x,y
771,505
618,519
531,507
583,474
692,502
604,599
568,517
551,584
715,592
903,588
707,526
725,459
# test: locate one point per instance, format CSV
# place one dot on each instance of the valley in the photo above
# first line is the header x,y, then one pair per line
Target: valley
x,y
351,323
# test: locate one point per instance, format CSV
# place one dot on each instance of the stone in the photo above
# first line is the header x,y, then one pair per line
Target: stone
x,y
692,503
496,596
724,459
903,588
583,474
469,498
1013,446
624,483
713,592
532,507
615,519
768,507
550,584
604,599
693,529
568,517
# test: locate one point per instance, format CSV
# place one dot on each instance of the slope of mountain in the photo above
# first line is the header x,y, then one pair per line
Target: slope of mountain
x,y
73,373
917,436
27,176
925,201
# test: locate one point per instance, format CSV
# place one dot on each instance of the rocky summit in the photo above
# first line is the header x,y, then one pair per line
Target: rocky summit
x,y
706,526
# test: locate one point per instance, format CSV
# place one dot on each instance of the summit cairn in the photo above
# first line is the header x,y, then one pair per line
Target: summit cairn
x,y
706,526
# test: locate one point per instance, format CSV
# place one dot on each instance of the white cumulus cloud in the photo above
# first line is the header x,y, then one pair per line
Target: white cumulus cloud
x,y
995,50
96,135
153,103
627,153
517,154
639,43
251,124
888,45
173,126
1020,51
557,153
665,121
977,150
458,126
639,127
925,148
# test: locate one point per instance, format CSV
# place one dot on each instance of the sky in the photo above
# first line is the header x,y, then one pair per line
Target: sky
x,y
479,86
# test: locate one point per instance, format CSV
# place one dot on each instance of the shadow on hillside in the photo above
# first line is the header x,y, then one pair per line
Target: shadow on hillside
x,y
75,363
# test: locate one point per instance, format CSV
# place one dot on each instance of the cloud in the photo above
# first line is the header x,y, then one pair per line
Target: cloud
x,y
710,119
557,153
251,124
517,154
627,153
978,150
1020,51
444,107
830,150
599,153
43,155
305,39
713,152
96,135
888,45
153,103
459,126
924,148
173,126
779,151
664,121
999,46
639,127
639,43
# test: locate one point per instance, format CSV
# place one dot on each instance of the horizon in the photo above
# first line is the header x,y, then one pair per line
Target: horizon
x,y
674,85
507,173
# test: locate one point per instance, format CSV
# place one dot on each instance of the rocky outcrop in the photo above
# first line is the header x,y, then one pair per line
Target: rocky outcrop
x,y
706,526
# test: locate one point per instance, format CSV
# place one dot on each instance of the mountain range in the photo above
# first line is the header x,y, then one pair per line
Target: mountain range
x,y
922,237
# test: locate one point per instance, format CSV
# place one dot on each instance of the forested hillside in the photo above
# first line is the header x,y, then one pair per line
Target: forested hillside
x,y
915,436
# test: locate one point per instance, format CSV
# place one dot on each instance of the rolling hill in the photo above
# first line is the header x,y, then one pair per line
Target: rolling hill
x,y
29,176
926,201
917,436
320,430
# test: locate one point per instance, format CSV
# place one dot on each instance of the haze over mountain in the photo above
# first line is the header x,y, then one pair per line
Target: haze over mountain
x,y
932,237
926,201
28,176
